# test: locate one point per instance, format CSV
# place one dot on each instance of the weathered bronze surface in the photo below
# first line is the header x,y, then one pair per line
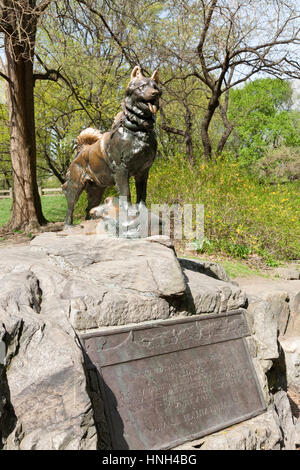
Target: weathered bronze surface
x,y
174,381
128,149
135,221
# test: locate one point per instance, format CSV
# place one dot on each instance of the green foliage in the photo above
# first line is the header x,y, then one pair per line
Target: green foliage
x,y
242,216
262,117
238,269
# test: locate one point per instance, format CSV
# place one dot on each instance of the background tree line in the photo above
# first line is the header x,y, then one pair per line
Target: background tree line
x,y
65,65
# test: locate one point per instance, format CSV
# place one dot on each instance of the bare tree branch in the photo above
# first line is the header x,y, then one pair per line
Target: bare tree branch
x,y
6,78
98,13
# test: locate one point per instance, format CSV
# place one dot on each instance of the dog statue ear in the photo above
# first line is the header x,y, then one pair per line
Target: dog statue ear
x,y
136,73
155,76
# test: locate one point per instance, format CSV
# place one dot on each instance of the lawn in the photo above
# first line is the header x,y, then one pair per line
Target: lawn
x,y
54,208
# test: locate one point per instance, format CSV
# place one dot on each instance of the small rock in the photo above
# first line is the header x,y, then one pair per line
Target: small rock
x,y
288,273
291,348
209,295
209,268
263,318
293,328
283,409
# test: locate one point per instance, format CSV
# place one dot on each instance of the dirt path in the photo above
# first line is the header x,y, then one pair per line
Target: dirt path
x,y
21,238
260,286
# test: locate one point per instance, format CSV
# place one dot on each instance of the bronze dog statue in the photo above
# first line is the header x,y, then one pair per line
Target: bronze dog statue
x,y
128,149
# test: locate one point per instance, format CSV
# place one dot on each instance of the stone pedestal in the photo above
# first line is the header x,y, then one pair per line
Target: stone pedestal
x,y
63,286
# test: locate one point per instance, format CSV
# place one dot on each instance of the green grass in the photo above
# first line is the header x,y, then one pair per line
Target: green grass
x,y
234,268
239,269
5,205
54,208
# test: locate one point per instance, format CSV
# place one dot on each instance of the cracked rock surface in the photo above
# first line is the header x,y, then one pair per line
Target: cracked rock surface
x,y
49,290
61,286
44,403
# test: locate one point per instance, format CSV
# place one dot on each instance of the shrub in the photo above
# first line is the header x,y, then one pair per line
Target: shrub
x,y
242,216
279,165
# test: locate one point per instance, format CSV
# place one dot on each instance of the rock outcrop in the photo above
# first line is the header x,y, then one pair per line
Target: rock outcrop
x,y
283,299
61,286
44,404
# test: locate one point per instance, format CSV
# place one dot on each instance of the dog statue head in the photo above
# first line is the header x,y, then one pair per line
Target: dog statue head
x,y
142,94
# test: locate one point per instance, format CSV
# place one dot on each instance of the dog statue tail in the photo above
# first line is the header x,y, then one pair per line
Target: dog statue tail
x,y
88,137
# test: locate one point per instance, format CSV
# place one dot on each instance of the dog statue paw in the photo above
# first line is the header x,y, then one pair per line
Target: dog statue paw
x,y
120,219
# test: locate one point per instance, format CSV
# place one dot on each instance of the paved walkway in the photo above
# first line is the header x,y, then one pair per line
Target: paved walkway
x,y
261,286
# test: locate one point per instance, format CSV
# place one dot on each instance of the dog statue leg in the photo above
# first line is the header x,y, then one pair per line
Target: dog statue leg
x,y
94,194
72,189
122,183
141,187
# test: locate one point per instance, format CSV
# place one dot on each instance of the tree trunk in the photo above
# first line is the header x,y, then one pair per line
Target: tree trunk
x,y
189,148
227,124
226,133
212,106
188,134
26,210
224,139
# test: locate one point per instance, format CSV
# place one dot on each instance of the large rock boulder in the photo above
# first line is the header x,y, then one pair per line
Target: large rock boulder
x,y
61,286
49,289
278,323
210,295
44,403
100,281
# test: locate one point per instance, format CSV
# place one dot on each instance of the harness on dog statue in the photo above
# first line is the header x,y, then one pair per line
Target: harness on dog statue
x,y
131,121
119,122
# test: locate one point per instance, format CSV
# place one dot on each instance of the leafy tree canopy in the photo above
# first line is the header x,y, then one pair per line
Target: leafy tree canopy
x,y
263,118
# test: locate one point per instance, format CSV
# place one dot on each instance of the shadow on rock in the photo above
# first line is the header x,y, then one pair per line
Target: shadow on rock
x,y
102,397
8,419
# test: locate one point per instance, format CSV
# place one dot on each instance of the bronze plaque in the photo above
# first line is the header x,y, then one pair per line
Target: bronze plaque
x,y
175,380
